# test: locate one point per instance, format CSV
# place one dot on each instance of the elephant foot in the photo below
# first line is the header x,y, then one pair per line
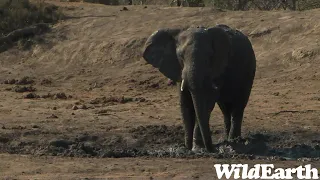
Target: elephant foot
x,y
234,136
235,139
226,138
198,149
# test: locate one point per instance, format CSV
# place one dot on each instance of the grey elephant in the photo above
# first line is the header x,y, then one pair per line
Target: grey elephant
x,y
211,65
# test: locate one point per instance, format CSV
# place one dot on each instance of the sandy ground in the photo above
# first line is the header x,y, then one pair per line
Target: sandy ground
x,y
97,110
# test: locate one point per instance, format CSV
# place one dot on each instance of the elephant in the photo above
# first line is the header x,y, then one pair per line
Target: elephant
x,y
214,65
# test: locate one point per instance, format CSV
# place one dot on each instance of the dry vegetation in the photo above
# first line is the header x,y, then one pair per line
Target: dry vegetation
x,y
224,4
21,20
17,14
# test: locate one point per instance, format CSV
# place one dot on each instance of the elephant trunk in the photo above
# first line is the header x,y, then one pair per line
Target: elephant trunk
x,y
202,118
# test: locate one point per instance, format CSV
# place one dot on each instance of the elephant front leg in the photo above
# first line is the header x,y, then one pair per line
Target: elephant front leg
x,y
203,107
197,139
188,116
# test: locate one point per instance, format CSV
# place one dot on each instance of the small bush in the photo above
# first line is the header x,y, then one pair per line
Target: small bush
x,y
17,14
106,2
264,5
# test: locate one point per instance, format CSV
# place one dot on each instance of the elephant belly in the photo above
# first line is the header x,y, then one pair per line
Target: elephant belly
x,y
235,96
237,87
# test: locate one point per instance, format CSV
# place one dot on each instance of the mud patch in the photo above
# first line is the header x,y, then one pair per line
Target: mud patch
x,y
155,141
159,134
297,151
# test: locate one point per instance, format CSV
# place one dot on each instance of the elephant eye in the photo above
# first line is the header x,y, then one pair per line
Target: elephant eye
x,y
211,84
214,86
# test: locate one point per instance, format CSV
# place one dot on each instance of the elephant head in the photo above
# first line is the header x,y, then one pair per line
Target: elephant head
x,y
196,57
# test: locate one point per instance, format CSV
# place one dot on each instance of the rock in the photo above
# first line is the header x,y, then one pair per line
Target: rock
x,y
78,103
276,94
155,85
89,148
21,89
125,100
53,116
124,9
97,101
35,126
140,99
259,33
47,96
301,53
74,107
83,107
31,96
60,96
24,81
10,81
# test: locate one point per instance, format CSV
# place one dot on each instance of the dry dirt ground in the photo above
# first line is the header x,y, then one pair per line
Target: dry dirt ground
x,y
83,103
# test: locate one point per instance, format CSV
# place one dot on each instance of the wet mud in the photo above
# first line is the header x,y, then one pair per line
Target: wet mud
x,y
157,141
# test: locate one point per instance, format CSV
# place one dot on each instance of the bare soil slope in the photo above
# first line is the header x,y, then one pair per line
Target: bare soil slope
x,y
90,94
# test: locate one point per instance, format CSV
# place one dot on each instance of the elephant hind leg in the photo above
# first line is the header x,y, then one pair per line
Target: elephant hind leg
x,y
236,123
188,116
226,109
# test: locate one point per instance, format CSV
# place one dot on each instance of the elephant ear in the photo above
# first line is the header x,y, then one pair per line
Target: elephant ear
x,y
221,43
160,52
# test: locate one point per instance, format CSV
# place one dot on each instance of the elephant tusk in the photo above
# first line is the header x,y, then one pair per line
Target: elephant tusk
x,y
182,85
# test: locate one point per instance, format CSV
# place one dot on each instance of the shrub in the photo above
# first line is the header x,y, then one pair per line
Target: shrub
x,y
17,14
257,4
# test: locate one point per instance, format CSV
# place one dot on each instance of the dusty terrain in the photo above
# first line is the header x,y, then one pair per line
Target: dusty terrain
x,y
84,104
